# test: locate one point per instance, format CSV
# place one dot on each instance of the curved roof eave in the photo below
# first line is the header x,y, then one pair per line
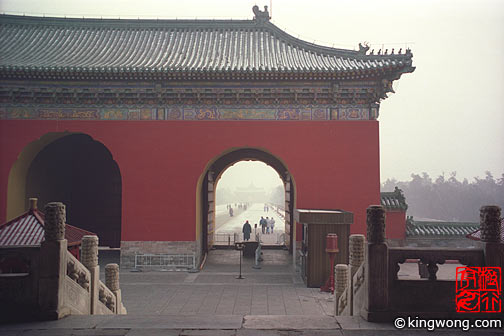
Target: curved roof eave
x,y
353,61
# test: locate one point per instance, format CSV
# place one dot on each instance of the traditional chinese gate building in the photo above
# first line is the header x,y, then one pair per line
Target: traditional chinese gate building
x,y
131,122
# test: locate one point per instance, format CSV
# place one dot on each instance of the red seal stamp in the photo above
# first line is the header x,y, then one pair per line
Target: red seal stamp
x,y
478,290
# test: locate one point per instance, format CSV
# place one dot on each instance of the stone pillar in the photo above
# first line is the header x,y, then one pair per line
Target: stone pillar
x,y
376,269
112,276
340,283
356,249
490,226
112,282
375,220
89,258
490,223
53,263
54,221
356,258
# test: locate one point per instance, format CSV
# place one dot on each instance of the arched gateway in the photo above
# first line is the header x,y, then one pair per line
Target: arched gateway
x,y
173,100
81,173
212,175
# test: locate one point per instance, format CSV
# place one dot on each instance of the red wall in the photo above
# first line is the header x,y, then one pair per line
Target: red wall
x,y
334,164
395,224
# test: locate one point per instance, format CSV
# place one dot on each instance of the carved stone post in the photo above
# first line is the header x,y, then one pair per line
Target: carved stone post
x,y
89,258
54,222
53,264
112,276
490,226
357,250
375,221
112,282
340,283
356,258
490,223
376,258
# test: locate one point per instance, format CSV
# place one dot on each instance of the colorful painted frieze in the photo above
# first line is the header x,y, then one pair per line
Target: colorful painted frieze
x,y
206,114
114,114
193,113
175,113
247,114
354,113
21,113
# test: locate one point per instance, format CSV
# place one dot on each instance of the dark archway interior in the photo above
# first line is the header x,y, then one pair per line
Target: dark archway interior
x,y
81,173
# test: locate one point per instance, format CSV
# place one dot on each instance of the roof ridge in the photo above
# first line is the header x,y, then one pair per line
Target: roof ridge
x,y
443,223
146,24
15,219
42,45
53,20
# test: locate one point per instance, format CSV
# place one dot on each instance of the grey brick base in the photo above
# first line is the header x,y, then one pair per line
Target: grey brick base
x,y
130,248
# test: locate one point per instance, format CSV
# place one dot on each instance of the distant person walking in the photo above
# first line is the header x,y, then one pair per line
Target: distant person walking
x,y
230,212
272,224
247,229
268,225
263,224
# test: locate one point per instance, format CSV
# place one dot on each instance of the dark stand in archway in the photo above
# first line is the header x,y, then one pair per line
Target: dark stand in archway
x,y
239,247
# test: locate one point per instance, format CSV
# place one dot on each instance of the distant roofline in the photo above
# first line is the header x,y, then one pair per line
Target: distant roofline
x,y
445,223
393,200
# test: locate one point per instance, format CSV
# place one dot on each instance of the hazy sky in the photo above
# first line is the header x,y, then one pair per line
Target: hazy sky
x,y
446,116
258,173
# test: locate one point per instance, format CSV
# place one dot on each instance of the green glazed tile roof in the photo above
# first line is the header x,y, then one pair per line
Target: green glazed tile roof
x,y
419,229
59,45
394,200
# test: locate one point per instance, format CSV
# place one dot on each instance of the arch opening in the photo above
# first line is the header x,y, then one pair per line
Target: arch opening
x,y
210,181
80,172
249,191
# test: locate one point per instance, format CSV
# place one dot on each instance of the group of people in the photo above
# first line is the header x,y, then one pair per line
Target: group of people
x,y
267,225
242,206
229,207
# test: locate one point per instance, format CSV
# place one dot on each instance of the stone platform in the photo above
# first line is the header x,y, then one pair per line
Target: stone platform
x,y
270,301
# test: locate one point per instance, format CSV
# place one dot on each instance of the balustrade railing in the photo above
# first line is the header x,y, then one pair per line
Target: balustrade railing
x,y
51,283
78,272
106,297
349,278
358,280
370,286
432,258
387,294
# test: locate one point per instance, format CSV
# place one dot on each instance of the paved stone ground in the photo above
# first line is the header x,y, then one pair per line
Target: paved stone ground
x,y
271,301
227,226
272,290
218,325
